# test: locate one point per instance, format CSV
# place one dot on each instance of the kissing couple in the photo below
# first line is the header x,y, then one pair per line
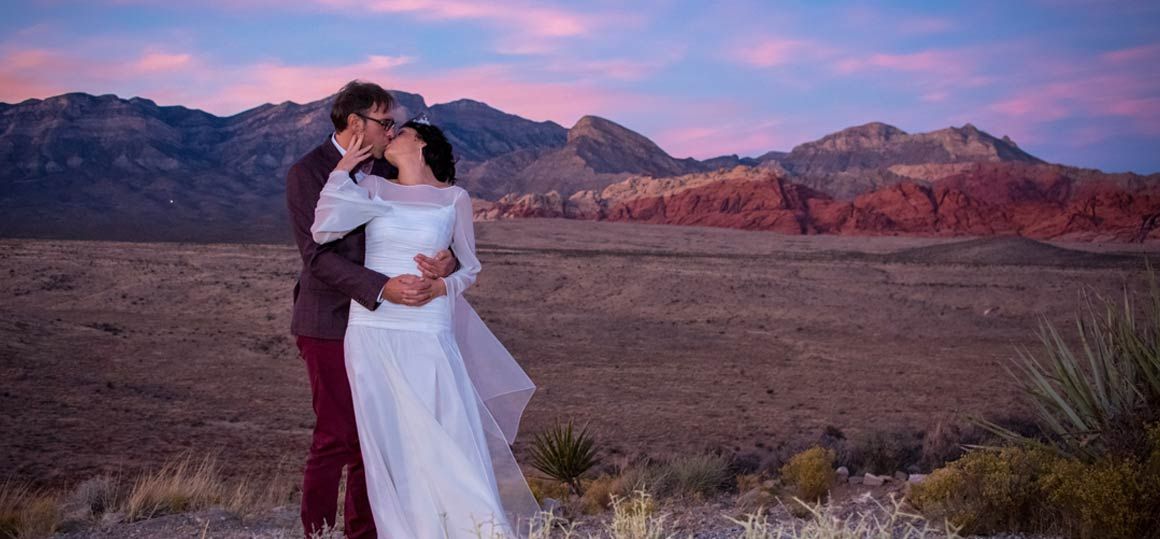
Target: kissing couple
x,y
412,393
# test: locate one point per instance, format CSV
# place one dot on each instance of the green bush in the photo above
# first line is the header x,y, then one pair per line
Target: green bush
x,y
1027,489
987,491
1107,498
811,472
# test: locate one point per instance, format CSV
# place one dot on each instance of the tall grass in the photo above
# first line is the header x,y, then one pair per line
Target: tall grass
x,y
180,485
26,512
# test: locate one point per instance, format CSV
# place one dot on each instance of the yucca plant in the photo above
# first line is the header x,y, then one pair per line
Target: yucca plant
x,y
564,454
1097,399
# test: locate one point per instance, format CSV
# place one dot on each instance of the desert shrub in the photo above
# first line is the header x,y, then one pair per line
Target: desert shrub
x,y
811,472
756,491
97,495
654,478
564,454
1096,400
1110,498
26,512
597,494
988,491
703,474
943,441
882,452
543,489
744,463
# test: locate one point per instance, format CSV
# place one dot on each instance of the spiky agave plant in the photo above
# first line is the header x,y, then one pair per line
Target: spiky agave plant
x,y
564,454
1098,398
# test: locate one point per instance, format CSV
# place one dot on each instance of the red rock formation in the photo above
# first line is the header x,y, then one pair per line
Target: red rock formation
x,y
1037,201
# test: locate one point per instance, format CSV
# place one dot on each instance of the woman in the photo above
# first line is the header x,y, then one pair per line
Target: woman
x,y
437,398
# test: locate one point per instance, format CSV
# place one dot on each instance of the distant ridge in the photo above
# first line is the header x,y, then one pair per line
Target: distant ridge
x,y
1009,250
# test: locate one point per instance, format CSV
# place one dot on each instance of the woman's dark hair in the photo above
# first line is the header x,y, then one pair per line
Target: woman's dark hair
x,y
436,151
357,96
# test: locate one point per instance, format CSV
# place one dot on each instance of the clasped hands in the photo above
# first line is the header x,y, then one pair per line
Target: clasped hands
x,y
417,290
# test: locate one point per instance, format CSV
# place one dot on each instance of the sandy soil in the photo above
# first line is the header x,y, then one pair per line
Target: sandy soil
x,y
116,356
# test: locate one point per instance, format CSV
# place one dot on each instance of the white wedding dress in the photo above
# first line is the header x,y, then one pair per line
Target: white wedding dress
x,y
437,398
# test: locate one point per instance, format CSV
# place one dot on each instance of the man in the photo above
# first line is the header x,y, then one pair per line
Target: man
x,y
331,276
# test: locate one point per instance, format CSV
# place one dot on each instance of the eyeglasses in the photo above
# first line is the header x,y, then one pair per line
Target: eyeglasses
x,y
387,123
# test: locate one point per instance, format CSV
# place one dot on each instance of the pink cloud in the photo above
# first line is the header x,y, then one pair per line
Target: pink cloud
x,y
249,86
944,63
770,52
1144,53
159,61
924,25
1031,107
530,17
503,87
935,97
181,78
746,139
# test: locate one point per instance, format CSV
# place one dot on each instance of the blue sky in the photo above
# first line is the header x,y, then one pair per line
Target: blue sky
x,y
1071,81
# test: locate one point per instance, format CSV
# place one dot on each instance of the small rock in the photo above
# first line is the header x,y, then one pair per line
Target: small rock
x,y
872,480
110,519
917,477
856,480
843,472
900,477
551,505
913,469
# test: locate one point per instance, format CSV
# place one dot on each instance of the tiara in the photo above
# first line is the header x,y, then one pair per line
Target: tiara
x,y
421,119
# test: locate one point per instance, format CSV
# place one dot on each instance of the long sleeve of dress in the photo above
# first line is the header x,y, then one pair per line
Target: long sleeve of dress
x,y
463,246
343,206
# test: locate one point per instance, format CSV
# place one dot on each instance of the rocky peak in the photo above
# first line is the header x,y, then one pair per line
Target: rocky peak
x,y
873,135
603,131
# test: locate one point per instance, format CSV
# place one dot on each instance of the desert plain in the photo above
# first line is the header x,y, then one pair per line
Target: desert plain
x,y
663,339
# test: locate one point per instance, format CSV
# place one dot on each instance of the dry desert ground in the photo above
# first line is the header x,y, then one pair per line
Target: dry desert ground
x,y
117,356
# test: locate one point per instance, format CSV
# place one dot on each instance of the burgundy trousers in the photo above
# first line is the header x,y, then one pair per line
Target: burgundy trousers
x,y
334,446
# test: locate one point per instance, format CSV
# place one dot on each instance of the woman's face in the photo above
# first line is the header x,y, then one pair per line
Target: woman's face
x,y
407,142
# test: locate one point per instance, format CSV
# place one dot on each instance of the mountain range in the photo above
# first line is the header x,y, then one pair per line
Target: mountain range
x,y
84,166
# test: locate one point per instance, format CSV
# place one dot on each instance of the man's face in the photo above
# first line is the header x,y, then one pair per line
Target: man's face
x,y
374,133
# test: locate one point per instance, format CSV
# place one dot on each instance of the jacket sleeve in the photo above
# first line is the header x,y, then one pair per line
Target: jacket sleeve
x,y
355,280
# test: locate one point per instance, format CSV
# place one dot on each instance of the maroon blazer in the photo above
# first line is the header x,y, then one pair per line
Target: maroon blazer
x,y
332,274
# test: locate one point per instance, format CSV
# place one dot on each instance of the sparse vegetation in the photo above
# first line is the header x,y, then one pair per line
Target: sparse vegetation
x,y
1096,470
823,523
564,454
1097,400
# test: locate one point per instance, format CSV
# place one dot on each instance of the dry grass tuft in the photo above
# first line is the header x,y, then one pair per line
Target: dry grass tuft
x,y
634,518
180,485
26,512
824,523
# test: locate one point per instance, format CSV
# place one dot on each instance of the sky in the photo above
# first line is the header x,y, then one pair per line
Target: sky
x,y
1070,81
